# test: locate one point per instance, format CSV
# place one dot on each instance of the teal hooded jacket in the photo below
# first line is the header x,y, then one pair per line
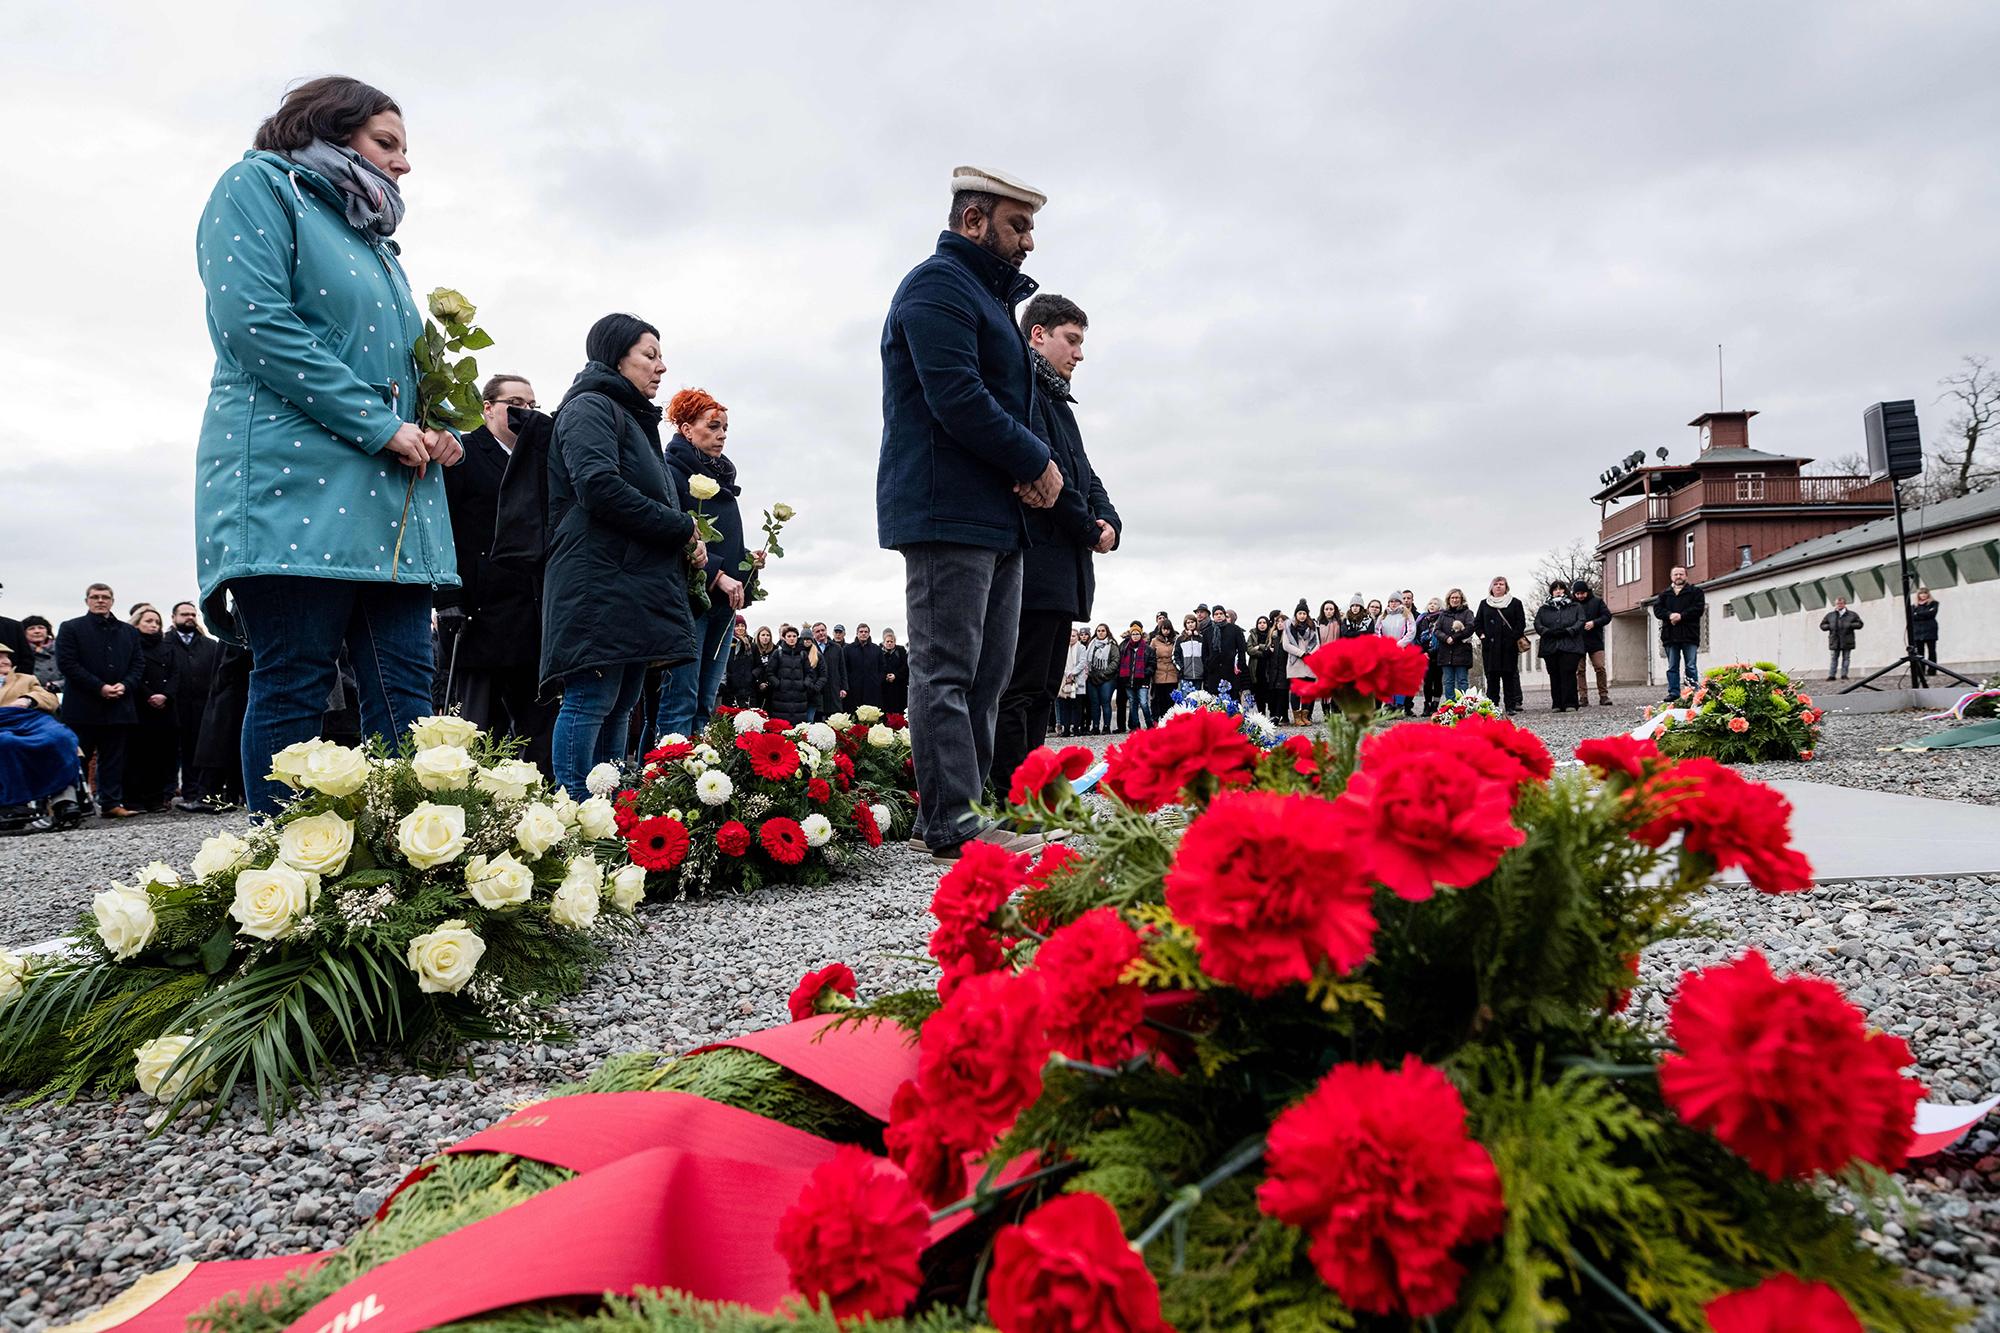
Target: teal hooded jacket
x,y
312,324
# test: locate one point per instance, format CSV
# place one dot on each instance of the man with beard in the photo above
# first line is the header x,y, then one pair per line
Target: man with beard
x,y
1058,582
1230,652
864,669
958,462
194,655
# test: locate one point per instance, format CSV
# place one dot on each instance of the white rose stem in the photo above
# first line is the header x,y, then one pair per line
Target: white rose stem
x,y
402,523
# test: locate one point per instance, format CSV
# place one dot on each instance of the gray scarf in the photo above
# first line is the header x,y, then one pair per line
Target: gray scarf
x,y
374,204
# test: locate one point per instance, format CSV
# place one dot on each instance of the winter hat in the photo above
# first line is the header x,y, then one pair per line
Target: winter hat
x,y
1580,588
1357,600
983,181
1302,607
611,337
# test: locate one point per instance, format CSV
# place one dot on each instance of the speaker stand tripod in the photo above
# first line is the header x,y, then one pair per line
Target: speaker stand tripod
x,y
1920,666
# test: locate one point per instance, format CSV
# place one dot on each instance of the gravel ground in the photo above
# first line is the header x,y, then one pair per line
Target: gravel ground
x,y
92,1202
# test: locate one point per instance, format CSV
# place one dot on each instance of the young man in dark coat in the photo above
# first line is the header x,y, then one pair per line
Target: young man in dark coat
x,y
1232,651
831,694
863,662
959,461
490,646
103,664
1679,608
1058,580
1596,615
195,656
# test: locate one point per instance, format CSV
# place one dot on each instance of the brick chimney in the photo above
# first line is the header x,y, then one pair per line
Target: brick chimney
x,y
1724,430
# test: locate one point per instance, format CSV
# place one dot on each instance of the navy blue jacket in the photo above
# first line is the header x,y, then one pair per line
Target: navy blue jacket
x,y
957,404
95,651
726,553
1057,574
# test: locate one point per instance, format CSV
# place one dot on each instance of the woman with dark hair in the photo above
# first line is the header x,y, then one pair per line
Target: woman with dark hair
x,y
1923,633
765,645
1559,635
739,677
1301,639
614,592
319,500
1501,624
792,677
701,430
895,674
1358,621
1103,679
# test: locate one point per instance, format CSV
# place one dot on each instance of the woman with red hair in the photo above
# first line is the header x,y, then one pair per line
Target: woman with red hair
x,y
701,430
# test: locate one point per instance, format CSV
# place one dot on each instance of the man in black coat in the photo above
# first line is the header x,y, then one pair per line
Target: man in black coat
x,y
1058,580
831,691
491,624
194,655
1596,615
1679,608
103,663
1232,651
863,662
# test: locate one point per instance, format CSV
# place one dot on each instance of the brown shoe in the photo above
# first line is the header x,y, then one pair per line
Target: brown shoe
x,y
119,812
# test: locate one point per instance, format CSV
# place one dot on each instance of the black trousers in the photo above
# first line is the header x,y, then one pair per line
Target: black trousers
x,y
1163,699
1503,674
1562,679
507,702
193,786
1927,650
1040,653
1433,682
108,744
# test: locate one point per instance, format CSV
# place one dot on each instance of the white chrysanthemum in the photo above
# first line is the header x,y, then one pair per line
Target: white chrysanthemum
x,y
714,787
808,757
603,780
747,721
671,738
868,713
881,737
881,813
818,831
693,767
708,755
820,735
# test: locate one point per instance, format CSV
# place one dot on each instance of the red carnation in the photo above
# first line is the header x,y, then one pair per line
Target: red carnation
x,y
771,757
927,1146
1304,761
1618,1001
1199,752
1729,819
971,892
658,843
732,839
1375,1165
1497,751
843,771
854,1236
1782,1304
1785,1073
895,721
1622,755
819,791
864,819
1271,885
1038,772
783,839
1068,1266
837,978
777,726
981,1056
625,814
1428,819
1358,673
1093,1012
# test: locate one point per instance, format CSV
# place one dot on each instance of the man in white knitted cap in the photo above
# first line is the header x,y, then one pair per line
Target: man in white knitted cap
x,y
959,460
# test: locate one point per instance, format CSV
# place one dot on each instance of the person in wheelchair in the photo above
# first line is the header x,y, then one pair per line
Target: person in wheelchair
x,y
39,773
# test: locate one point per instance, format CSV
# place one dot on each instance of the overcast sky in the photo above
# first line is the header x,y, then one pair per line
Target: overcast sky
x,y
1375,290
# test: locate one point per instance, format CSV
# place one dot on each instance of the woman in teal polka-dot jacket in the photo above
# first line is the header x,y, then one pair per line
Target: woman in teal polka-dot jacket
x,y
319,505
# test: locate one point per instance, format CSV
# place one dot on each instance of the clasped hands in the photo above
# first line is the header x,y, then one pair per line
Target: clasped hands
x,y
1041,493
416,447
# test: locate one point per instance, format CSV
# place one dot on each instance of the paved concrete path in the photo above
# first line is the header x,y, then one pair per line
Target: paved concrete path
x,y
1851,834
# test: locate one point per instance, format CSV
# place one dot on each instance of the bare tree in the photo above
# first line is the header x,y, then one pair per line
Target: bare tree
x,y
1853,463
1576,560
1968,457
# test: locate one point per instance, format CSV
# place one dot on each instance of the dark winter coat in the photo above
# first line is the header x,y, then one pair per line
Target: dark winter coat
x,y
1840,627
1599,615
1231,653
1690,603
503,623
1267,657
1058,573
1427,631
957,404
194,670
832,677
1559,628
1924,622
896,693
863,662
1500,629
726,552
96,651
741,672
792,680
1454,646
1135,661
161,677
615,590
221,742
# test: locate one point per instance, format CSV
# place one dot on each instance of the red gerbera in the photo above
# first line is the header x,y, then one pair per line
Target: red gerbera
x,y
1040,770
1271,885
1375,1165
1093,1012
981,1056
1362,672
819,791
864,819
964,943
1067,1266
669,754
1785,1072
1198,753
1727,818
771,757
854,1236
783,839
1428,819
1623,755
658,843
834,978
928,1146
1783,1304
732,839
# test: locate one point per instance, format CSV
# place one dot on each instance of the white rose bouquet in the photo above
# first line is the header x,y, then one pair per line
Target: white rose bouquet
x,y
437,894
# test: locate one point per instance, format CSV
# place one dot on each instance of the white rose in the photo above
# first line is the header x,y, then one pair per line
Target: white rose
x,y
821,736
782,512
269,903
881,813
159,873
747,721
840,721
817,830
540,828
868,713
445,958
703,488
442,730
289,764
576,901
714,787
319,843
152,1061
443,768
564,806
220,853
597,818
336,770
903,735
603,780
881,737
431,834
499,881
628,888
125,920
510,780
13,971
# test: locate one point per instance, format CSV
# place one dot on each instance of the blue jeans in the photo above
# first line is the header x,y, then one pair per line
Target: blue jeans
x,y
1457,680
590,730
296,627
1677,654
687,694
1100,704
